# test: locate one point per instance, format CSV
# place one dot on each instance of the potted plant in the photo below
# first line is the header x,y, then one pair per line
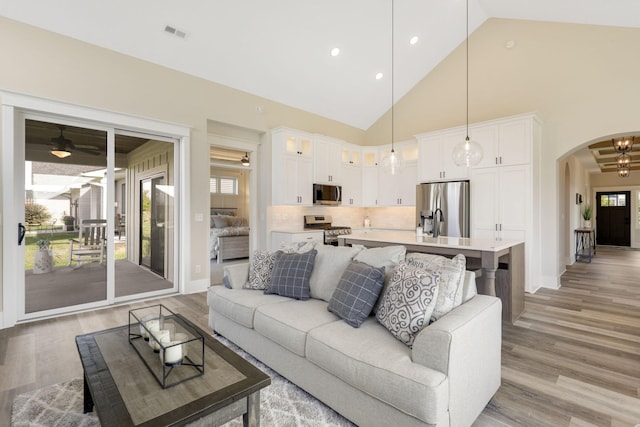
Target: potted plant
x,y
587,212
68,222
42,258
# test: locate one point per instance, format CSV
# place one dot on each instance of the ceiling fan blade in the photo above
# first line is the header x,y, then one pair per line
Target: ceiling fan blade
x,y
92,150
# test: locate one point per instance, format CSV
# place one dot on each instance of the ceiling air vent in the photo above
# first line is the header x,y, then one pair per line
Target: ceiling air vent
x,y
176,32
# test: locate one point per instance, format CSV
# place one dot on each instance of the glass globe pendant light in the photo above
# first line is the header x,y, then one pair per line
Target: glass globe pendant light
x,y
467,153
392,161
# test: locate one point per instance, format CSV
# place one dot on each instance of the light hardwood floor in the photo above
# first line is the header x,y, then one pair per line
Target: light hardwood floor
x,y
572,359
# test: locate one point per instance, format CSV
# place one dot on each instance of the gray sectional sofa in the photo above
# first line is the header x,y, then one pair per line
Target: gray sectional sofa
x,y
366,374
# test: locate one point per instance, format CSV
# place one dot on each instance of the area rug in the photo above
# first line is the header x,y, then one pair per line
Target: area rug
x,y
282,404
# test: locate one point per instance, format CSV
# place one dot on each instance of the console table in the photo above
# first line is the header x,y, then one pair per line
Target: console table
x,y
585,244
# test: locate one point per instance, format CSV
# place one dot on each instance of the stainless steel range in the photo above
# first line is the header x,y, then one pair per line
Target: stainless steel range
x,y
323,222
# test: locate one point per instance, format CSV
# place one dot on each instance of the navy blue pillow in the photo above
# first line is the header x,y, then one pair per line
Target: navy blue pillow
x,y
291,273
357,293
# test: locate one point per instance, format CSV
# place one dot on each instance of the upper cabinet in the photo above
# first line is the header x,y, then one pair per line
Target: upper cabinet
x,y
291,167
399,189
328,160
370,167
435,154
351,175
504,143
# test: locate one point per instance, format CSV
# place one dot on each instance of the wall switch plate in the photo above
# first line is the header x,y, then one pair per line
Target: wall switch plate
x,y
199,217
198,268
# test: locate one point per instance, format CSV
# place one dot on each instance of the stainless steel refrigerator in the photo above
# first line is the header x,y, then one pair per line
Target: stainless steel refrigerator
x,y
445,204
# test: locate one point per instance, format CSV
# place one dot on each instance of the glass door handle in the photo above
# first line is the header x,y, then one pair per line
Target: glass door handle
x,y
22,230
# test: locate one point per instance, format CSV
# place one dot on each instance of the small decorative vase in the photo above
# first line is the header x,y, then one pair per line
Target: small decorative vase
x,y
42,262
586,223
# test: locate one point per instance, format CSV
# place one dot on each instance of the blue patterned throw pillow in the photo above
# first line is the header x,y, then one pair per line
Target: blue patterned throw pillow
x,y
357,292
408,302
291,273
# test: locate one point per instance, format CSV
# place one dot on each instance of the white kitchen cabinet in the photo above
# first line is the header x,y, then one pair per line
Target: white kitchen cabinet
x,y
370,167
505,142
351,185
501,202
435,156
351,155
400,189
328,161
280,237
291,167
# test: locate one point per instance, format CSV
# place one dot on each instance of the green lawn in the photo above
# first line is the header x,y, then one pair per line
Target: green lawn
x,y
59,248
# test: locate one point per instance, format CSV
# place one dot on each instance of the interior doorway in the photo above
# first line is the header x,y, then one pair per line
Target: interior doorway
x,y
613,218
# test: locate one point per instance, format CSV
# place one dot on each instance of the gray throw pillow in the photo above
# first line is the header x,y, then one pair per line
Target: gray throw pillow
x,y
260,270
291,274
408,302
356,293
220,221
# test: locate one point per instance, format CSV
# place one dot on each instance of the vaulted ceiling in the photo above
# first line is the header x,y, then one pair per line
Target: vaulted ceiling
x,y
280,49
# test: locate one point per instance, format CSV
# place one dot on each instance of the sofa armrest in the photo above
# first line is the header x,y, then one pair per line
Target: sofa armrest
x,y
236,275
465,345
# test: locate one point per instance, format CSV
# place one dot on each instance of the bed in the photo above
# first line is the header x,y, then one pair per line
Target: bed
x,y
228,235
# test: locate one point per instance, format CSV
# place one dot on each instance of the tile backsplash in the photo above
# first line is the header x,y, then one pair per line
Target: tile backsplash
x,y
292,217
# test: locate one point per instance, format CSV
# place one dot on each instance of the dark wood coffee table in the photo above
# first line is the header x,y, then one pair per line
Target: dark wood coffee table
x,y
125,393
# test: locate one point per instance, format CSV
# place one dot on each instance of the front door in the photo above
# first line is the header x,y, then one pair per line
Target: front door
x,y
613,218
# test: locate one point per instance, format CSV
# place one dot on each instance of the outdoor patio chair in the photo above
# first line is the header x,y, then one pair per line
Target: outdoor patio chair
x,y
91,245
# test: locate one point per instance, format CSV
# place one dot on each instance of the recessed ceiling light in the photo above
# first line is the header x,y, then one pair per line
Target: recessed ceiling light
x,y
413,40
510,44
379,76
335,51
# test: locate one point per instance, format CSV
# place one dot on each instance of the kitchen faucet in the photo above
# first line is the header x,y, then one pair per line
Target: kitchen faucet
x,y
436,222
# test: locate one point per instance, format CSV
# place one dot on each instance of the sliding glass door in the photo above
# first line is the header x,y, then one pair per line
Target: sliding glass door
x,y
95,208
152,217
65,258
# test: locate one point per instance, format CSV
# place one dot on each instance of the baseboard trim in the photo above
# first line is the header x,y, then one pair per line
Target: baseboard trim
x,y
200,285
549,282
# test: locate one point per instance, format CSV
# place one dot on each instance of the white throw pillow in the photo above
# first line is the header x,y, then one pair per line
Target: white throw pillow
x,y
386,256
331,262
451,279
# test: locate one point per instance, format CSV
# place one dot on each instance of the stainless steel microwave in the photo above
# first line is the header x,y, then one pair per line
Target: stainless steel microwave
x,y
327,194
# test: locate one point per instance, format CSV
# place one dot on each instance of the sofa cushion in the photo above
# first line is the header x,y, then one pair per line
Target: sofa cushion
x,y
291,273
357,292
289,322
239,305
260,270
451,272
372,360
331,262
407,303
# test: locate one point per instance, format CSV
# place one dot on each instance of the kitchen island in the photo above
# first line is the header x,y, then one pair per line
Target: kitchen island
x,y
501,259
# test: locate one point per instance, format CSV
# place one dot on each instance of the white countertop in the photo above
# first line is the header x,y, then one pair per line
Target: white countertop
x,y
410,238
298,231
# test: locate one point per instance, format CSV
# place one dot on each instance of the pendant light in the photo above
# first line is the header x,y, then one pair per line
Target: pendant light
x,y
467,153
245,160
623,145
392,161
